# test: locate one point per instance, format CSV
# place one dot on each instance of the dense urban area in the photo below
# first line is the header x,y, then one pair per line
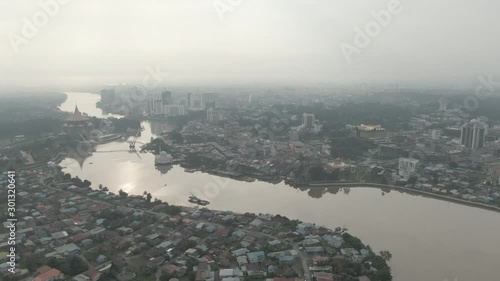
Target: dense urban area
x,y
68,231
424,141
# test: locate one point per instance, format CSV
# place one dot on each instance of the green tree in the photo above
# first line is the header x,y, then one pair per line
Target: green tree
x,y
176,137
386,255
122,193
412,180
77,181
86,183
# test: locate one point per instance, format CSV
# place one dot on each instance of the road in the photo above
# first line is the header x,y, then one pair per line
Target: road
x,y
303,259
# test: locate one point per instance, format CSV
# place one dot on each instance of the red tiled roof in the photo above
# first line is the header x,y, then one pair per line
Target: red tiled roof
x,y
215,250
223,232
92,273
171,268
78,237
79,219
47,275
43,269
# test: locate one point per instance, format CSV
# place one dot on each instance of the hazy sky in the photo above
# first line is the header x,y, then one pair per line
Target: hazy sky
x,y
94,42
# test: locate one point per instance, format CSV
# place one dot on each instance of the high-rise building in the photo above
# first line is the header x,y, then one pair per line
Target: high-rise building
x,y
443,104
308,120
214,116
408,167
294,135
189,101
210,104
473,134
157,107
197,103
169,110
166,97
436,134
208,100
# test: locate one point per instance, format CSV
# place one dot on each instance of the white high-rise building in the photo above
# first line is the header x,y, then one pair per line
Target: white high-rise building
x,y
436,134
155,106
308,120
443,104
214,116
208,100
408,167
473,134
162,106
294,135
173,110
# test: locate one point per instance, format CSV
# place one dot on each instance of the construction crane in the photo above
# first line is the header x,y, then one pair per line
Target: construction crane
x,y
131,144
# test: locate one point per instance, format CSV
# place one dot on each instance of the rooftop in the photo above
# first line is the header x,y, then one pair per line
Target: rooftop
x,y
77,116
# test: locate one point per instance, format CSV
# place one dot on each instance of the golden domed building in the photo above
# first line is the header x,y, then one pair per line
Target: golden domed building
x,y
77,124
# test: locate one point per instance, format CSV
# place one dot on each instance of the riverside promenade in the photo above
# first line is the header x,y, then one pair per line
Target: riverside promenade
x,y
407,190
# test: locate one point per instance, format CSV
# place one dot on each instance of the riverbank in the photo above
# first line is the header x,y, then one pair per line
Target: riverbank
x,y
274,234
409,190
243,177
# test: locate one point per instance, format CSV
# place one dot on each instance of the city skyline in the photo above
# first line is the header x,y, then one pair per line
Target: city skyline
x,y
237,140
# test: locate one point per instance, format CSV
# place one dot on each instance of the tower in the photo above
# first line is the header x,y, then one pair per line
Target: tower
x,y
308,120
473,134
166,97
443,104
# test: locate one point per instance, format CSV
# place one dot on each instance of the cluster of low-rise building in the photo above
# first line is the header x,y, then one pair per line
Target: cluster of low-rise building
x,y
129,238
444,153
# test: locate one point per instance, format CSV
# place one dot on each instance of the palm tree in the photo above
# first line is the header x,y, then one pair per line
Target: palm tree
x,y
386,255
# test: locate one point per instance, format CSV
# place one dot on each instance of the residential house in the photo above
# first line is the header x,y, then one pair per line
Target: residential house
x,y
255,257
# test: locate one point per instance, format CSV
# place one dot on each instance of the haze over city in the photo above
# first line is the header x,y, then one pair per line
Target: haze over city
x,y
283,42
249,140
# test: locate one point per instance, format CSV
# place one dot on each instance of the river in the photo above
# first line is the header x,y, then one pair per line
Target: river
x,y
430,239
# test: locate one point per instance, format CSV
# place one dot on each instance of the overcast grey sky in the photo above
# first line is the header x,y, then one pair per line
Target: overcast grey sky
x,y
93,42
